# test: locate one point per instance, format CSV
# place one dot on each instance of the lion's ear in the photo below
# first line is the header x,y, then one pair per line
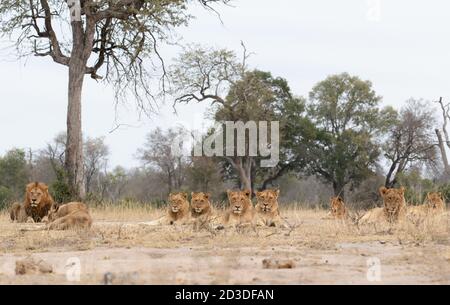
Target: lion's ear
x,y
383,190
248,193
185,195
192,194
207,196
277,193
402,190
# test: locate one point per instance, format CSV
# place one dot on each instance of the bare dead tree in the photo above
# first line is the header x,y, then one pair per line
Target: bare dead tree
x,y
410,140
446,117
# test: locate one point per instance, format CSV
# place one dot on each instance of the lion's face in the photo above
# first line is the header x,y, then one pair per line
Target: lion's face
x,y
393,199
177,202
36,193
268,200
337,206
435,201
239,201
200,202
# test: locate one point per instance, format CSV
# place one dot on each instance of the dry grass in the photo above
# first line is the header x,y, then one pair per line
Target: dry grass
x,y
117,227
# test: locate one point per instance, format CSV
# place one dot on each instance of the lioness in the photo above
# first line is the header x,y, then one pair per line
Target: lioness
x,y
73,215
177,211
17,213
201,206
267,208
337,208
394,207
178,208
36,206
241,210
202,212
434,204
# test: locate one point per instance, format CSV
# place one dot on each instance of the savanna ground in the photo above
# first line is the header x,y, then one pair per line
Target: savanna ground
x,y
120,250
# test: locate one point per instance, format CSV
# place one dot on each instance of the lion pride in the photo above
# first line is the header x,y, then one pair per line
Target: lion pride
x,y
241,210
36,206
73,215
267,208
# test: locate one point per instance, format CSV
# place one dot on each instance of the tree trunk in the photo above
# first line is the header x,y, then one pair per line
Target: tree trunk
x,y
443,152
74,148
244,171
339,190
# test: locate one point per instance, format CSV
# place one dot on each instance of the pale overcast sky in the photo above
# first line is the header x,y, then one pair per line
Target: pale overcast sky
x,y
402,46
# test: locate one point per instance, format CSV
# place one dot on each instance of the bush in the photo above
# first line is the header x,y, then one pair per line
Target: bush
x,y
445,190
6,196
59,188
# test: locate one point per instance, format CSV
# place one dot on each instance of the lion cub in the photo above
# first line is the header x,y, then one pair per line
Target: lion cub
x,y
241,210
267,208
73,215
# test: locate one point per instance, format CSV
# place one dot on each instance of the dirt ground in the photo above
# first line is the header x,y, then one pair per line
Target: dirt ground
x,y
120,250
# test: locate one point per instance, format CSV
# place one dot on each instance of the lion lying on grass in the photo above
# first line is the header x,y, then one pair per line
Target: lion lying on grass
x,y
178,211
434,205
74,215
241,210
267,209
393,210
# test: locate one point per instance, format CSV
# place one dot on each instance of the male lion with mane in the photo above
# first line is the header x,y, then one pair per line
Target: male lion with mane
x,y
36,206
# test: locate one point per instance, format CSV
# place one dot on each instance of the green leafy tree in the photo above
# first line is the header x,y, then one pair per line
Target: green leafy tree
x,y
14,172
345,111
238,94
117,41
